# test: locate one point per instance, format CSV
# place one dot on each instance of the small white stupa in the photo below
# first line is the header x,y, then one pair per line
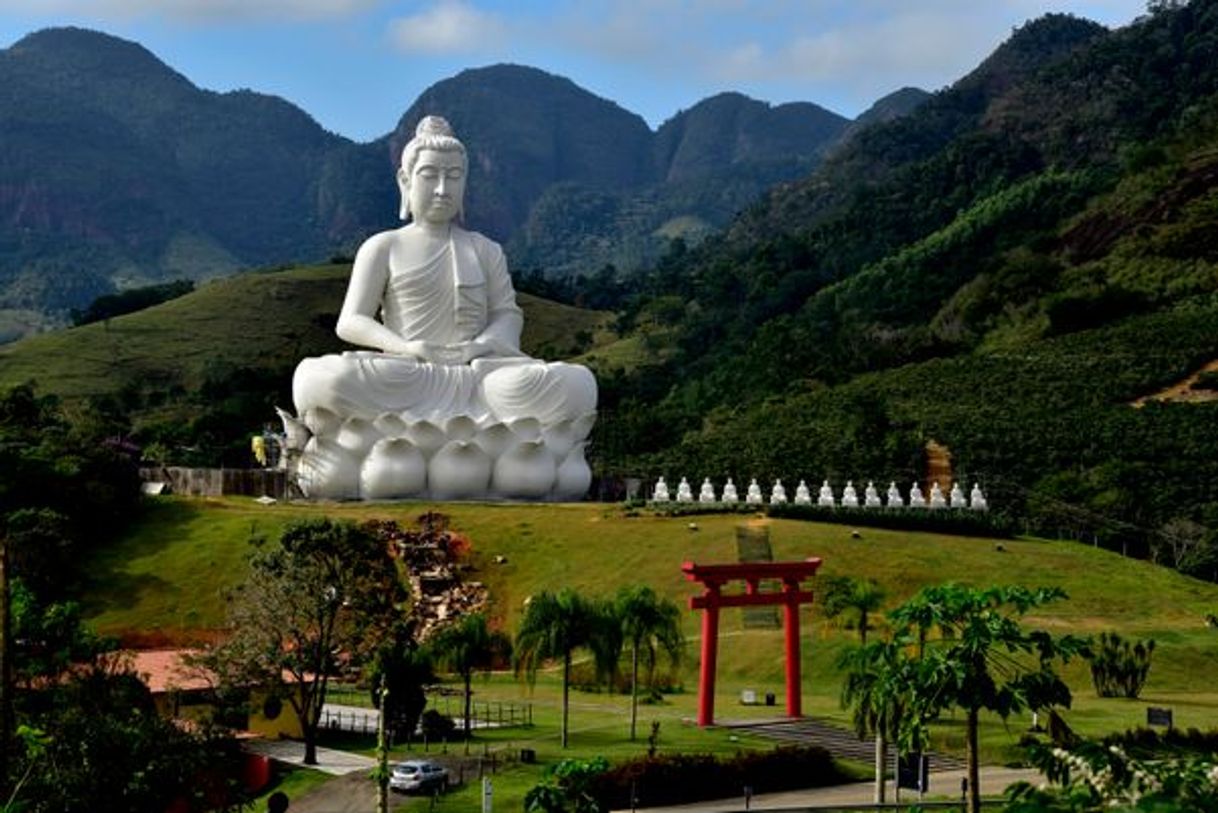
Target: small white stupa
x,y
871,497
916,500
826,499
753,496
850,497
977,499
707,494
661,492
729,492
894,496
778,494
802,495
957,497
684,493
936,496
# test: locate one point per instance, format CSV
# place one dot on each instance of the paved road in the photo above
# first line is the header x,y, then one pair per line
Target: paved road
x,y
329,760
354,793
944,785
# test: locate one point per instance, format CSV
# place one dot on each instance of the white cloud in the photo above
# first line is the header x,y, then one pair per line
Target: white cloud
x,y
193,10
449,27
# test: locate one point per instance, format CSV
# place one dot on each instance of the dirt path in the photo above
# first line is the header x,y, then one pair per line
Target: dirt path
x,y
353,793
1183,391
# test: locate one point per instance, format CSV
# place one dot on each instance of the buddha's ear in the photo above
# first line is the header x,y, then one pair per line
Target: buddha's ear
x,y
404,189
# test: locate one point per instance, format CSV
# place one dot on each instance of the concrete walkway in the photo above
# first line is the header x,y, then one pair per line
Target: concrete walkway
x,y
944,786
329,760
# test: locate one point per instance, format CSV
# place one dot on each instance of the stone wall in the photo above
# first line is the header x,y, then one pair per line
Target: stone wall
x,y
219,482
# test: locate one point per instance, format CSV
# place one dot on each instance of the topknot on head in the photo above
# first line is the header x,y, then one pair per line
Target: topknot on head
x,y
433,126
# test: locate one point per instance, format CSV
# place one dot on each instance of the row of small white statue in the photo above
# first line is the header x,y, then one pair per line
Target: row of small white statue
x,y
849,499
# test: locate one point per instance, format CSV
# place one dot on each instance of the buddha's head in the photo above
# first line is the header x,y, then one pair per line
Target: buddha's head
x,y
431,177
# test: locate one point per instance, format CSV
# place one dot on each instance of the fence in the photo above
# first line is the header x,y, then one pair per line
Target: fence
x,y
487,714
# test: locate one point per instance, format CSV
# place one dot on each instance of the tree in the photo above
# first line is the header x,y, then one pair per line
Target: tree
x,y
1091,777
326,591
877,701
107,748
553,627
863,597
986,659
650,625
470,645
403,668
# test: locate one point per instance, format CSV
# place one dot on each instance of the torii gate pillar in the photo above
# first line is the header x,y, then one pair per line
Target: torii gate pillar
x,y
713,577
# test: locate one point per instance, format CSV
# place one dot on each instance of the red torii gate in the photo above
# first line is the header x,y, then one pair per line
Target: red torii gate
x,y
713,578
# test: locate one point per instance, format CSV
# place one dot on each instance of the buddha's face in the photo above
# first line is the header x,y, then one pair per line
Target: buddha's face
x,y
435,186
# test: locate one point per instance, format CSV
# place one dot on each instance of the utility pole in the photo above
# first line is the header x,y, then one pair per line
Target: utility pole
x,y
382,754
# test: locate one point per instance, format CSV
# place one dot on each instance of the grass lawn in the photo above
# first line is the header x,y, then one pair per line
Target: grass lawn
x,y
170,571
292,780
599,727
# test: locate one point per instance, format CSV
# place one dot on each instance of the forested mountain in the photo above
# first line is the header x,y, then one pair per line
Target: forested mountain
x,y
708,163
1045,228
118,172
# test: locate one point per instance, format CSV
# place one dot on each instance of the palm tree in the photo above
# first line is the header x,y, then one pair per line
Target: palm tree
x,y
877,694
468,646
650,624
554,626
862,596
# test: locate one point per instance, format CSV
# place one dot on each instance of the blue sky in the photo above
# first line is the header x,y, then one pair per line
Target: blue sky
x,y
356,65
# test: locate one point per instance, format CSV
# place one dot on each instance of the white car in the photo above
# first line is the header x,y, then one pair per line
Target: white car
x,y
418,775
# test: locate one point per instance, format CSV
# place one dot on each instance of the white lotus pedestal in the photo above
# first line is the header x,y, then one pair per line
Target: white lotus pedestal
x,y
399,456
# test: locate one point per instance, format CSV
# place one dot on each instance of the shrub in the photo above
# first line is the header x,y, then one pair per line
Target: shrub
x,y
677,778
437,726
1119,667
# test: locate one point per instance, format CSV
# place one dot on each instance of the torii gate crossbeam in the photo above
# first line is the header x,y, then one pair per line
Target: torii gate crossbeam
x,y
713,578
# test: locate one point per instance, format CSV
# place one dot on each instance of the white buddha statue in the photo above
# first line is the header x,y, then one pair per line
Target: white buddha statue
x,y
850,497
661,492
871,497
894,496
753,495
684,493
916,499
825,499
957,497
936,496
778,494
977,500
802,495
707,494
729,493
442,402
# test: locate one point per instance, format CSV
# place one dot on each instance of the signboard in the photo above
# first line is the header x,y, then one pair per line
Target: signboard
x,y
913,771
1158,716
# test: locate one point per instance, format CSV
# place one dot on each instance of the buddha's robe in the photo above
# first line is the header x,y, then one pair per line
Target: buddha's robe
x,y
460,295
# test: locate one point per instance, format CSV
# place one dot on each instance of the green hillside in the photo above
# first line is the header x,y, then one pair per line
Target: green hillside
x,y
166,574
211,365
1004,271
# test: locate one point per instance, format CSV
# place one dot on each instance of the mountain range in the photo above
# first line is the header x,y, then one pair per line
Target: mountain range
x,y
119,172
